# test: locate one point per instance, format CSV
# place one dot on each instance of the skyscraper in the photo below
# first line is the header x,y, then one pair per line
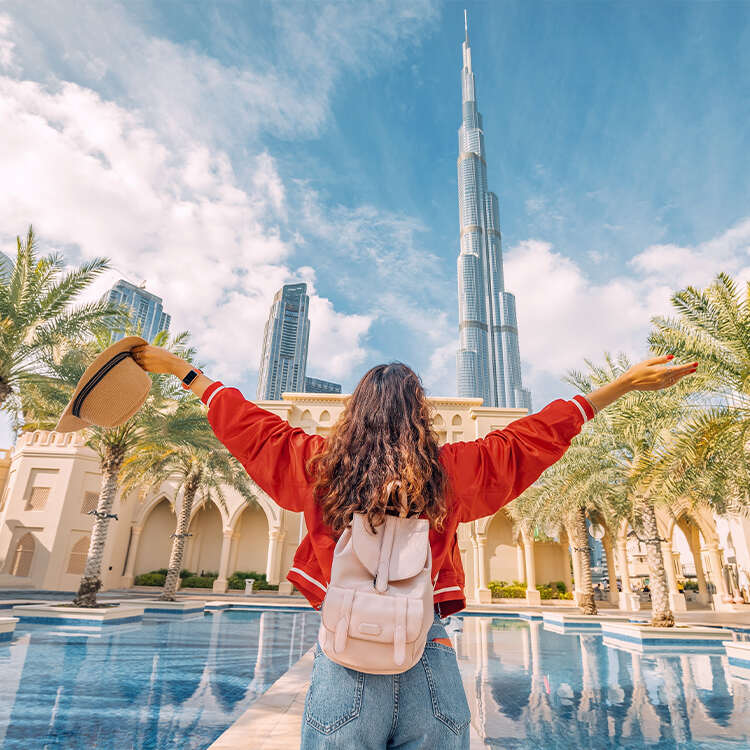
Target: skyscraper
x,y
146,312
488,361
316,385
284,359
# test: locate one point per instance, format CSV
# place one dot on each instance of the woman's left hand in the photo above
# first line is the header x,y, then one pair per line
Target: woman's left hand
x,y
155,359
654,374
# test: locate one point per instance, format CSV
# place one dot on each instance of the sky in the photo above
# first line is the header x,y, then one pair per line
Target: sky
x,y
218,150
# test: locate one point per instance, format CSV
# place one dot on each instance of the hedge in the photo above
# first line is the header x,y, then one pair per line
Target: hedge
x,y
237,581
517,590
198,582
150,579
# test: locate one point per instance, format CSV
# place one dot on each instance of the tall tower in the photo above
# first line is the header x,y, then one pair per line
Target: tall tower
x,y
488,361
283,362
144,309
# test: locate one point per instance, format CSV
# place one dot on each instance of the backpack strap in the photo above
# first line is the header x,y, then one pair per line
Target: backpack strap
x,y
384,561
342,626
399,631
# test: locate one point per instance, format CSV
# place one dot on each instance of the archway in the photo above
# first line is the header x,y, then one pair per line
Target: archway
x,y
78,555
23,556
204,546
156,538
501,549
250,548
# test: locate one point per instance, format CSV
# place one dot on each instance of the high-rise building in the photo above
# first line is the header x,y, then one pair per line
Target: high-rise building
x,y
488,361
146,311
315,385
284,359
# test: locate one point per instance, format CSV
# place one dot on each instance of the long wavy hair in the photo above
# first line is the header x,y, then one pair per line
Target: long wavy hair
x,y
383,435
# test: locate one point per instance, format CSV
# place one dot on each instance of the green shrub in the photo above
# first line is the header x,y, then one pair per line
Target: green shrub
x,y
691,585
198,582
559,585
150,579
237,581
184,573
501,590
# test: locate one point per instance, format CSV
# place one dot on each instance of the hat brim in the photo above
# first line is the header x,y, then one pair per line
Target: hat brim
x,y
68,421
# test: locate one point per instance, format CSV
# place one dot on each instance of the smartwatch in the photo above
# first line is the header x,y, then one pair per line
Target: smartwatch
x,y
190,377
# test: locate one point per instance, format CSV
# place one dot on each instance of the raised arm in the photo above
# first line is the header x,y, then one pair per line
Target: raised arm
x,y
273,452
488,473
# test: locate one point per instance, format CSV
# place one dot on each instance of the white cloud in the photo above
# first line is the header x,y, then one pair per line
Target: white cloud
x,y
91,176
564,316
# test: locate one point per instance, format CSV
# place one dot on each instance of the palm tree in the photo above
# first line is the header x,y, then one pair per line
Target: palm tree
x,y
583,484
36,315
42,401
708,458
181,445
639,428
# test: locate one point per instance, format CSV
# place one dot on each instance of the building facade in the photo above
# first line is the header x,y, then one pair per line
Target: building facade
x,y
315,385
50,481
145,309
283,362
488,361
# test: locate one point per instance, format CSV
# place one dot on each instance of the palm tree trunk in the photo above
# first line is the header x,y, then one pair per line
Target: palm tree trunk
x,y
91,581
661,613
178,540
588,605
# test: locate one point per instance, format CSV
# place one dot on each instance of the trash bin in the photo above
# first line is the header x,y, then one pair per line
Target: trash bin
x,y
249,585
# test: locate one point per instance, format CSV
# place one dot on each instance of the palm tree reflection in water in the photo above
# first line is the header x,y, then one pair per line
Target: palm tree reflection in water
x,y
531,688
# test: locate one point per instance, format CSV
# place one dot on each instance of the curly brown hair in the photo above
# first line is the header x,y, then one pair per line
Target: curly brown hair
x,y
384,434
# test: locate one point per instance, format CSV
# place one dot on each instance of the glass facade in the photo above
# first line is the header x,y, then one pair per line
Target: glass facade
x,y
315,385
488,361
145,309
285,339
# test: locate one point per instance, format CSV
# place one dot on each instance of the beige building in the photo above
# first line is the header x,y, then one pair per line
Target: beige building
x,y
50,482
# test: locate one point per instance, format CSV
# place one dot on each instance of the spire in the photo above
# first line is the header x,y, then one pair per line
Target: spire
x,y
466,26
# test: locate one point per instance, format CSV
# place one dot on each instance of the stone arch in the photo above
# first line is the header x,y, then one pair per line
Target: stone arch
x,y
204,546
438,421
155,541
78,554
270,508
698,515
502,556
250,540
325,416
145,508
306,422
23,556
457,421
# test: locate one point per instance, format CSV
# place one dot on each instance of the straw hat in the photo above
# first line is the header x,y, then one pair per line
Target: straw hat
x,y
111,390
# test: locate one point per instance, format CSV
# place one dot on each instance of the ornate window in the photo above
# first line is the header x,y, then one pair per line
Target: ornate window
x,y
22,556
78,555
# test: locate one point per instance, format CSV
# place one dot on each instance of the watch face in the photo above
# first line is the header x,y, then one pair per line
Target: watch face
x,y
190,377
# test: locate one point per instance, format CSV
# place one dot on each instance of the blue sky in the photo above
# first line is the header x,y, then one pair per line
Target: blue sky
x,y
218,150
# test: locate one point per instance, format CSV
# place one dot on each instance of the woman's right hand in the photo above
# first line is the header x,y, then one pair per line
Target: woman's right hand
x,y
155,359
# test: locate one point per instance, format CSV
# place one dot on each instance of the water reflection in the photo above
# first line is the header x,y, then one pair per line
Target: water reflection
x,y
531,688
165,684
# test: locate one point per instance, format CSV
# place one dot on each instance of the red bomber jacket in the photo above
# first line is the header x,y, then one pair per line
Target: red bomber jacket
x,y
483,475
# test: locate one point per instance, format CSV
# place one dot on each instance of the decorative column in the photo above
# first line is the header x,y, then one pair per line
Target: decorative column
x,y
220,584
135,539
676,599
519,561
474,566
694,540
484,596
567,579
576,572
628,600
533,597
721,597
609,552
275,544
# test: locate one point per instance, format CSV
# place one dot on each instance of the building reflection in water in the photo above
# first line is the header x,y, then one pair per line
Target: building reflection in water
x,y
531,688
175,684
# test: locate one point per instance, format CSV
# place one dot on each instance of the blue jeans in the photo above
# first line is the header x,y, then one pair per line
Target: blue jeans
x,y
424,708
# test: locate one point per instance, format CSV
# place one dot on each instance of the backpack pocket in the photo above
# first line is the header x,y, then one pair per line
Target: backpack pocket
x,y
367,616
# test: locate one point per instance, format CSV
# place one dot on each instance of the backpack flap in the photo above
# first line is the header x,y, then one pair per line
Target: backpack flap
x,y
409,545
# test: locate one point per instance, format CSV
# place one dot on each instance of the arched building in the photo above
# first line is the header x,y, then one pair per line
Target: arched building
x,y
50,481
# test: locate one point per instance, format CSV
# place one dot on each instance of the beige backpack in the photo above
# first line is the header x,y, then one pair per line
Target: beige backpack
x,y
378,605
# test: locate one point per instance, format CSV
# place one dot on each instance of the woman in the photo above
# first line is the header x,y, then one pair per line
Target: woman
x,y
384,434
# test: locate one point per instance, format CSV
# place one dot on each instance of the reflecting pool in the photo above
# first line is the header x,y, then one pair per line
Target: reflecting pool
x,y
157,685
531,688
